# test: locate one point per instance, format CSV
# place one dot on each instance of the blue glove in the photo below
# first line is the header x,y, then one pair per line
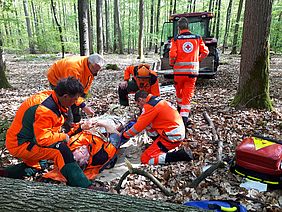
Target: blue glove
x,y
129,125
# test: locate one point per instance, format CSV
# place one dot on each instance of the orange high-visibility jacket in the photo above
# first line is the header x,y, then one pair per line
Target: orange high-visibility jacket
x,y
159,118
153,82
76,66
186,51
100,152
38,121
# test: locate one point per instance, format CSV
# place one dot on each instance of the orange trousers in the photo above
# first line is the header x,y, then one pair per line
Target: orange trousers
x,y
185,87
61,155
156,152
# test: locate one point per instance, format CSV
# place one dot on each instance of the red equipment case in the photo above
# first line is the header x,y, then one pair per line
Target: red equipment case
x,y
259,158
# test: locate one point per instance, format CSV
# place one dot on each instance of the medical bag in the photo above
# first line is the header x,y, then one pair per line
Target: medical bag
x,y
259,158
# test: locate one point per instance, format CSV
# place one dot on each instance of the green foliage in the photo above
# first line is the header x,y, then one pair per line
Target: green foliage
x,y
4,125
46,36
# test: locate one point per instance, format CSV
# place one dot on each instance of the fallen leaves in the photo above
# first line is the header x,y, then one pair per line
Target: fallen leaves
x,y
213,96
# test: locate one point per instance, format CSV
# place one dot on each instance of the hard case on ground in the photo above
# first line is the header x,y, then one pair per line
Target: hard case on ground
x,y
259,158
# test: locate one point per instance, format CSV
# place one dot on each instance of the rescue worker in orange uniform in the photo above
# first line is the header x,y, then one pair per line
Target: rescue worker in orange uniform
x,y
164,125
186,51
143,79
84,68
91,150
35,134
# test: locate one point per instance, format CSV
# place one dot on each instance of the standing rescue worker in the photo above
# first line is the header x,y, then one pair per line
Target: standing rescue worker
x,y
83,68
35,134
186,51
164,125
143,79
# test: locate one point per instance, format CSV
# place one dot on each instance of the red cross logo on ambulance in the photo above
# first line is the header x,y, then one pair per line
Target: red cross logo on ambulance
x,y
187,47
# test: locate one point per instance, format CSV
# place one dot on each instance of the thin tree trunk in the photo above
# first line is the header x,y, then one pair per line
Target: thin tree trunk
x,y
227,26
3,79
170,7
59,28
83,7
28,28
174,7
141,30
151,25
253,90
157,25
236,29
99,17
194,6
108,37
90,28
218,19
75,22
18,27
118,42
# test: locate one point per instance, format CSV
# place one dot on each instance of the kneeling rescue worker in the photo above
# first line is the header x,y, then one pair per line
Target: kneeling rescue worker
x,y
143,79
35,134
164,125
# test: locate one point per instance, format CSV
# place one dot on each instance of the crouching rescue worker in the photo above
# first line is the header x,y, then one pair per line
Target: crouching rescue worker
x,y
35,134
92,151
186,51
142,79
83,68
164,125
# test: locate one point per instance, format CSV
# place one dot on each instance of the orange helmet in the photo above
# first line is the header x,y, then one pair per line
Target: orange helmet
x,y
143,71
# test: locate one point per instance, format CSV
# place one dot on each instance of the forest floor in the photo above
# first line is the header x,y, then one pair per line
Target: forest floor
x,y
27,76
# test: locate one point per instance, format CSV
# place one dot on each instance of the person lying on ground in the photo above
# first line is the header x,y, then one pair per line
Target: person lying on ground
x,y
35,134
93,149
164,125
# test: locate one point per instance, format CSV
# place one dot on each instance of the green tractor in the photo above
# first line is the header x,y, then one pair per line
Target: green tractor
x,y
199,23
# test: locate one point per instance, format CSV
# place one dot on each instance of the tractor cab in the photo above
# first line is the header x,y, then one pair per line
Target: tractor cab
x,y
198,24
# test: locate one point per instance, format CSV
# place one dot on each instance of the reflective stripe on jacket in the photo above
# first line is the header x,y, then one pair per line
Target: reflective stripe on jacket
x,y
150,85
160,118
186,51
38,121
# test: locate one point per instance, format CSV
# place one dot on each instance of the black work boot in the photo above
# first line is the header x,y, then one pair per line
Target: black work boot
x,y
184,154
187,122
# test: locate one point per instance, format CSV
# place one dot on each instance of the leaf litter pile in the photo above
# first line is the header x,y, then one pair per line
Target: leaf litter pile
x,y
27,76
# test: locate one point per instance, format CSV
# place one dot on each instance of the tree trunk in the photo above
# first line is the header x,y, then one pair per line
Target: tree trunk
x,y
218,19
253,90
28,28
227,25
236,29
151,25
3,79
170,7
174,7
90,28
83,7
141,30
59,28
19,195
118,39
108,37
99,16
35,20
157,25
18,27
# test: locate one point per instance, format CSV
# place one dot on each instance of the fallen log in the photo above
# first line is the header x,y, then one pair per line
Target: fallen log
x,y
22,195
